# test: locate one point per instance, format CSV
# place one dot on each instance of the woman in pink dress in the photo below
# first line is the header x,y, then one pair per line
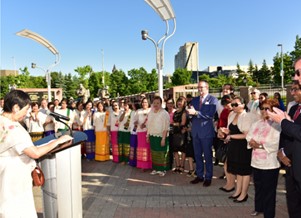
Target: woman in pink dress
x,y
144,161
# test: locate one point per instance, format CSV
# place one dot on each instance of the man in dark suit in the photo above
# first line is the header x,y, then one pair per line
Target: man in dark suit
x,y
202,110
285,155
290,143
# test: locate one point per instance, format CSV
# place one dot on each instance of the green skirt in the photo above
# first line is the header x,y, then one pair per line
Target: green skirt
x,y
160,155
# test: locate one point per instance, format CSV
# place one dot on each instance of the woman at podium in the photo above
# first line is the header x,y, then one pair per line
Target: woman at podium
x,y
17,154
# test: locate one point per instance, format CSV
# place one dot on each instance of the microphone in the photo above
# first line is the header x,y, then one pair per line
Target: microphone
x,y
57,116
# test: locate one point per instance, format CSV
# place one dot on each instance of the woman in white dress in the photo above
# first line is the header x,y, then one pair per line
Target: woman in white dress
x,y
157,134
102,147
17,154
88,128
144,160
35,122
112,126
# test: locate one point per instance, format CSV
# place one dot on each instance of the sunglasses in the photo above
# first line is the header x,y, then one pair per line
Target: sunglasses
x,y
253,93
297,72
294,89
265,108
235,104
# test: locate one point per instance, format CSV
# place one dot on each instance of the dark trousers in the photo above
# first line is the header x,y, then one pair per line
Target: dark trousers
x,y
293,194
265,182
203,146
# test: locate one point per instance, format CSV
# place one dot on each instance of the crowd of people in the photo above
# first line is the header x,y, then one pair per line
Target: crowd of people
x,y
164,135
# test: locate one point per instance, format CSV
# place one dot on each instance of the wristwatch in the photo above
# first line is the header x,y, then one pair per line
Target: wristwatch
x,y
260,146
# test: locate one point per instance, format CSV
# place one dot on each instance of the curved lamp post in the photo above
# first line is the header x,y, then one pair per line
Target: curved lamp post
x,y
36,37
164,9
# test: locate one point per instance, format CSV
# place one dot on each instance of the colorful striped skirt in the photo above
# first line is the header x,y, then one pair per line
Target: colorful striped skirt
x,y
115,149
160,155
124,146
102,147
133,150
144,160
90,144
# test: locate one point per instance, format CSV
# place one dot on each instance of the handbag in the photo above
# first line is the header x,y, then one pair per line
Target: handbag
x,y
37,175
178,140
221,153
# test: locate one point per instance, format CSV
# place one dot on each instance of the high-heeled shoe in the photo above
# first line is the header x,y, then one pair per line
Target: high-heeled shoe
x,y
240,201
234,197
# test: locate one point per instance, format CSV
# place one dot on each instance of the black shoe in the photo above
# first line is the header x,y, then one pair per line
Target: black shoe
x,y
241,201
197,180
233,197
226,190
207,183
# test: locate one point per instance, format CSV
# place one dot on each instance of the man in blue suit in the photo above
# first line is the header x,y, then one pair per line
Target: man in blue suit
x,y
202,110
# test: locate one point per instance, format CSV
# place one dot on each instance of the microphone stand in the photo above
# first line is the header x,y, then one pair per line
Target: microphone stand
x,y
69,131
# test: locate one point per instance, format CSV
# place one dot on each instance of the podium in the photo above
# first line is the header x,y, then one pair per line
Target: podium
x,y
62,193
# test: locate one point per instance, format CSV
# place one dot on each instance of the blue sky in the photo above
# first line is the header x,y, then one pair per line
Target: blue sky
x,y
228,32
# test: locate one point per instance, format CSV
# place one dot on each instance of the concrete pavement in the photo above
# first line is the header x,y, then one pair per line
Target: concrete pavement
x,y
116,190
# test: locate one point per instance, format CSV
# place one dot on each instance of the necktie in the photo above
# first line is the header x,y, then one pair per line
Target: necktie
x,y
297,113
201,102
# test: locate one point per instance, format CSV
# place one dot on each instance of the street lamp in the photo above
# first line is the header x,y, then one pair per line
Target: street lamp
x,y
165,11
281,67
36,37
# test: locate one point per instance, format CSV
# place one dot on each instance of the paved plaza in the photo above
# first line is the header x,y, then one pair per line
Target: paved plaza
x,y
116,190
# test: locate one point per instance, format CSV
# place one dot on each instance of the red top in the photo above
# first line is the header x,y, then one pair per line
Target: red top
x,y
223,119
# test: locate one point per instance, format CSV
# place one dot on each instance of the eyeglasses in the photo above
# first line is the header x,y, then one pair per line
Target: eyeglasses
x,y
253,93
297,72
235,105
265,108
294,89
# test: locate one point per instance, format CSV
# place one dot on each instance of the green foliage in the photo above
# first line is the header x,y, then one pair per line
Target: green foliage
x,y
118,84
287,68
181,77
297,52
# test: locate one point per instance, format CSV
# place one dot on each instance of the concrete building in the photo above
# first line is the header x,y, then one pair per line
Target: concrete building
x,y
9,73
188,56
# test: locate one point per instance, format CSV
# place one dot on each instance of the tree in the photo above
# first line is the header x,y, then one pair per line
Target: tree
x,y
287,68
119,84
83,72
265,75
297,52
95,83
181,77
138,80
251,68
152,81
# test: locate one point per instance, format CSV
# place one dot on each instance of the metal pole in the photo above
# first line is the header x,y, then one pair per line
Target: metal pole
x,y
103,78
48,84
282,73
160,71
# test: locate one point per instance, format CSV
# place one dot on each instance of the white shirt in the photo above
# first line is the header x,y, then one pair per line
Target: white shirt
x,y
99,121
16,197
35,124
157,122
64,112
141,117
266,133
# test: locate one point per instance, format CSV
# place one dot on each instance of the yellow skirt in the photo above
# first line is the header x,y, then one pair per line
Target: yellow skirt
x,y
35,136
102,147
